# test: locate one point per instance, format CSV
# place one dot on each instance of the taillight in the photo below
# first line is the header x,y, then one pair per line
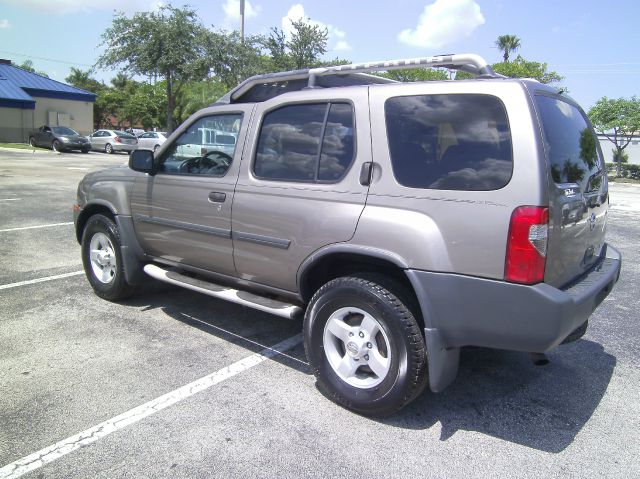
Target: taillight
x,y
527,245
117,139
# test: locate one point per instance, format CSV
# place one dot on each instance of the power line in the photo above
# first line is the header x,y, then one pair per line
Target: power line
x,y
46,59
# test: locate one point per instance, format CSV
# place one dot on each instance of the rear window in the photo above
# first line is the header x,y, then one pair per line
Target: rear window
x,y
570,144
449,142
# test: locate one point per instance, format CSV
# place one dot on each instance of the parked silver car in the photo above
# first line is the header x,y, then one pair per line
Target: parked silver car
x,y
151,140
113,140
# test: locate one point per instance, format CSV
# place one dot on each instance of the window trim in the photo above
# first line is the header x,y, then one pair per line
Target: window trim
x,y
328,103
159,161
506,115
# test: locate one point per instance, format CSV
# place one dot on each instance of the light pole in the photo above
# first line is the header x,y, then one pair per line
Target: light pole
x,y
242,21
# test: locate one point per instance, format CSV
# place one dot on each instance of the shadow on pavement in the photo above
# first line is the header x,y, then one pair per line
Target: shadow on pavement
x,y
498,393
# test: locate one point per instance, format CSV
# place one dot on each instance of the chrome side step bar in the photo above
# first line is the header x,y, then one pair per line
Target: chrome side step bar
x,y
279,308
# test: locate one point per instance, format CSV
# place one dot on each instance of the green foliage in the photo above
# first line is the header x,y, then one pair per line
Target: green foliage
x,y
620,156
170,42
521,68
618,120
27,65
415,74
307,44
508,44
233,61
629,171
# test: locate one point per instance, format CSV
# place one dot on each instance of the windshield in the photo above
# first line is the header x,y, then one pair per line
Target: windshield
x,y
124,134
63,130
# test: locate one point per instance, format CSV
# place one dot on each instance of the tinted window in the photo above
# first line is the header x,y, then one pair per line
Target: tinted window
x,y
206,147
449,142
306,143
337,144
570,144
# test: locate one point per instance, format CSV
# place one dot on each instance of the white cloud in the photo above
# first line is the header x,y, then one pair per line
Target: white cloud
x,y
4,23
232,10
62,7
443,22
337,38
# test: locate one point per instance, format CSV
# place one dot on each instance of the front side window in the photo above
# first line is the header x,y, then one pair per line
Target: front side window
x,y
207,147
449,142
310,143
570,144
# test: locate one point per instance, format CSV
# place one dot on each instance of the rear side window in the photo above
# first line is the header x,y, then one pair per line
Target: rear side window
x,y
311,143
570,144
449,142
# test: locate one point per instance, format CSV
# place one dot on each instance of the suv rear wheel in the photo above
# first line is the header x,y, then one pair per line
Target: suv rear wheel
x,y
102,259
364,345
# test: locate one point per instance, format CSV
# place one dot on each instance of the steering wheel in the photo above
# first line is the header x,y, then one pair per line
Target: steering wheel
x,y
207,164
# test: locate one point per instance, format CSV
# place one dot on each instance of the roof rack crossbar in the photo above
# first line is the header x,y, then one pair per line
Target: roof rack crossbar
x,y
467,62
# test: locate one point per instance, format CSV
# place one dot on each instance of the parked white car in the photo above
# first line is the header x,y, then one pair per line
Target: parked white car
x,y
151,140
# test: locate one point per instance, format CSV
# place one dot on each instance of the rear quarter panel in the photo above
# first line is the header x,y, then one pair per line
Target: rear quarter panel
x,y
454,231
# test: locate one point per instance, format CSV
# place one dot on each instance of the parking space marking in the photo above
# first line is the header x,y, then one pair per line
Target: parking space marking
x,y
10,199
76,168
51,225
55,451
39,280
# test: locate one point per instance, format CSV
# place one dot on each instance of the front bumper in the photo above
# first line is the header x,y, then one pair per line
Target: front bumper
x,y
468,311
72,145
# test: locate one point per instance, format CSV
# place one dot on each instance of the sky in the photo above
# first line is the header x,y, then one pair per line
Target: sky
x,y
595,45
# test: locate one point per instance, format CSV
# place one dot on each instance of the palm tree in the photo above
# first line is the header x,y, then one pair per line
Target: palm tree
x,y
508,44
120,80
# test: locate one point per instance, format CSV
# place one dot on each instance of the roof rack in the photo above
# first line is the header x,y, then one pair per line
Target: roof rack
x,y
273,84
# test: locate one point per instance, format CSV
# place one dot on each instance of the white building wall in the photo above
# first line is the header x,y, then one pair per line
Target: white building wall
x,y
80,114
633,150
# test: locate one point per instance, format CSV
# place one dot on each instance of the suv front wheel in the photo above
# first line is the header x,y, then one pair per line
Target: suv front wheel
x,y
102,259
364,345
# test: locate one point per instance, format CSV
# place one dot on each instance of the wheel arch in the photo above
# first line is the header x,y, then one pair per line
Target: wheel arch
x,y
343,260
97,208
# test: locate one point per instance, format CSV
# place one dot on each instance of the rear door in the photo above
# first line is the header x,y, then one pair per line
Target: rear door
x,y
578,190
299,187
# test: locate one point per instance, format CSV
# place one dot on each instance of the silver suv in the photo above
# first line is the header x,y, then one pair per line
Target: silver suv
x,y
402,220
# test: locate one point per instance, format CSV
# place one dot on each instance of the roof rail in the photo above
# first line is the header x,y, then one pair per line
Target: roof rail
x,y
467,62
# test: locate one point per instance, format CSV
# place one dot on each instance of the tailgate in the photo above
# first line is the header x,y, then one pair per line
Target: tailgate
x,y
578,191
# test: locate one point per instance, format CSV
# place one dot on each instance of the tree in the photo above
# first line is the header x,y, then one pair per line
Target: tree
x,y
232,60
521,68
83,80
508,44
27,65
618,120
170,42
307,44
415,74
120,80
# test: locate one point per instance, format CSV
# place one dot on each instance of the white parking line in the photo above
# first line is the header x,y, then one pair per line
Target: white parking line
x,y
91,435
76,168
37,226
39,280
10,199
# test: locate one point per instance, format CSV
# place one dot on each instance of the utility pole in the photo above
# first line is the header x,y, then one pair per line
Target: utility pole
x,y
242,20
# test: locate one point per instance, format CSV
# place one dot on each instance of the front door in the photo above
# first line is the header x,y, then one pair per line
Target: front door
x,y
182,214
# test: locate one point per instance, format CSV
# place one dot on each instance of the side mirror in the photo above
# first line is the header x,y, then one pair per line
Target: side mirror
x,y
142,161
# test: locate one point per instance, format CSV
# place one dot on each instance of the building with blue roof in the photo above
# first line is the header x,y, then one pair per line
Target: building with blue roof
x,y
28,101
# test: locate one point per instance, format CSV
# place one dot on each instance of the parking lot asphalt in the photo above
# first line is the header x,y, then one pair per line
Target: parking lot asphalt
x,y
70,362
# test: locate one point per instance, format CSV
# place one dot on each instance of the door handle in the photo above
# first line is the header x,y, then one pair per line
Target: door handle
x,y
216,197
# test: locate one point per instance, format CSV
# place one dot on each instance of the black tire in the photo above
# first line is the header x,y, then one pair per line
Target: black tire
x,y
155,148
55,146
85,151
407,361
32,142
108,148
113,286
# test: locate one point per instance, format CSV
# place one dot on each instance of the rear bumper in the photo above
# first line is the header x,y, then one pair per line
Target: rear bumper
x,y
496,314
